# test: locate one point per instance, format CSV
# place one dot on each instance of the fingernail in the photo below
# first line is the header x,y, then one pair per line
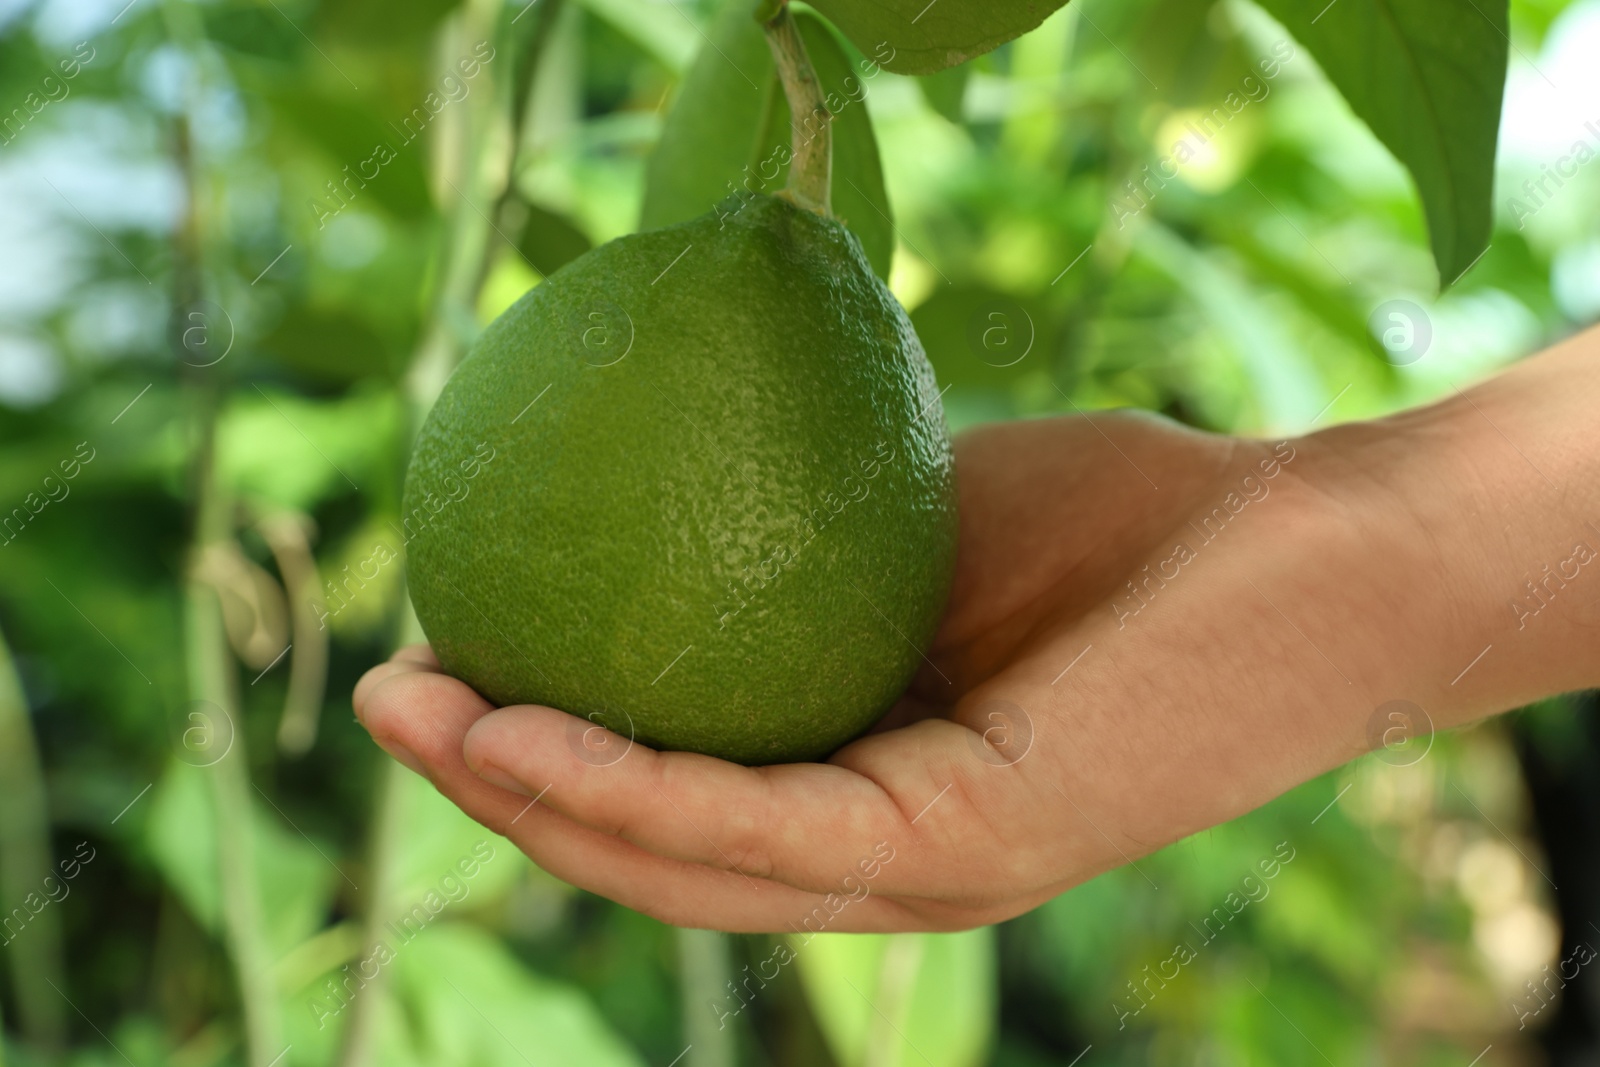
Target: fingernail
x,y
495,776
402,754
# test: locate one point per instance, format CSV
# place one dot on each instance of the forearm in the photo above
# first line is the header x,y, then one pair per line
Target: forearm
x,y
1495,496
1382,567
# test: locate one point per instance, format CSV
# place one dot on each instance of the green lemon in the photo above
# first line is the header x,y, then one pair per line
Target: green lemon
x,y
695,487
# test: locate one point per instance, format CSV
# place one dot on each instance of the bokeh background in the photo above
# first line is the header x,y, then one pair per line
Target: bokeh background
x,y
214,345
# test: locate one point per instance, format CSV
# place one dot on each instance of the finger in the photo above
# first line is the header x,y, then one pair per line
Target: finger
x,y
889,806
421,652
683,893
427,715
672,891
370,680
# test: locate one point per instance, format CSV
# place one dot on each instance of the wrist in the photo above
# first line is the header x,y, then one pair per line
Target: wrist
x,y
1482,514
1270,642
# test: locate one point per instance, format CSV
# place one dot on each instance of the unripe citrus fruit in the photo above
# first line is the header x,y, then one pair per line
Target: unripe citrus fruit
x,y
695,486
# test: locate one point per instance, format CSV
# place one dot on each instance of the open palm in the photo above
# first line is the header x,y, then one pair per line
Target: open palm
x,y
936,819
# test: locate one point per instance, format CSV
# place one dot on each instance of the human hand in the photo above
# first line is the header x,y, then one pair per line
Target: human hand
x,y
1069,720
1054,514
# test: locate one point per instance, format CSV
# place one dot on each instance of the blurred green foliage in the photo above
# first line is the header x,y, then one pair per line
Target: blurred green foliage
x,y
235,275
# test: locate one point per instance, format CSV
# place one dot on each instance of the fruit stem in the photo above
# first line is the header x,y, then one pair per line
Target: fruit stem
x,y
810,122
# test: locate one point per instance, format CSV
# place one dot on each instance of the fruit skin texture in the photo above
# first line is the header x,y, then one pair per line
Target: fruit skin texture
x,y
726,523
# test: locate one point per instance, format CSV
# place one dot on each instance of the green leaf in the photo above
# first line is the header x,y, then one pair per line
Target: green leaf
x,y
1427,76
727,129
1335,307
448,855
366,23
550,240
297,452
717,125
919,37
349,138
1281,373
902,999
665,31
296,880
467,1002
859,198
944,90
978,337
329,346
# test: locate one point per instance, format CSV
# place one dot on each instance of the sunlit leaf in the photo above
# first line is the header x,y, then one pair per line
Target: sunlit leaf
x,y
664,30
449,856
296,452
1427,76
467,1002
901,999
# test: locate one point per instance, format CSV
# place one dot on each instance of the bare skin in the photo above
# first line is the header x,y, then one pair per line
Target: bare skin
x,y
1069,722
